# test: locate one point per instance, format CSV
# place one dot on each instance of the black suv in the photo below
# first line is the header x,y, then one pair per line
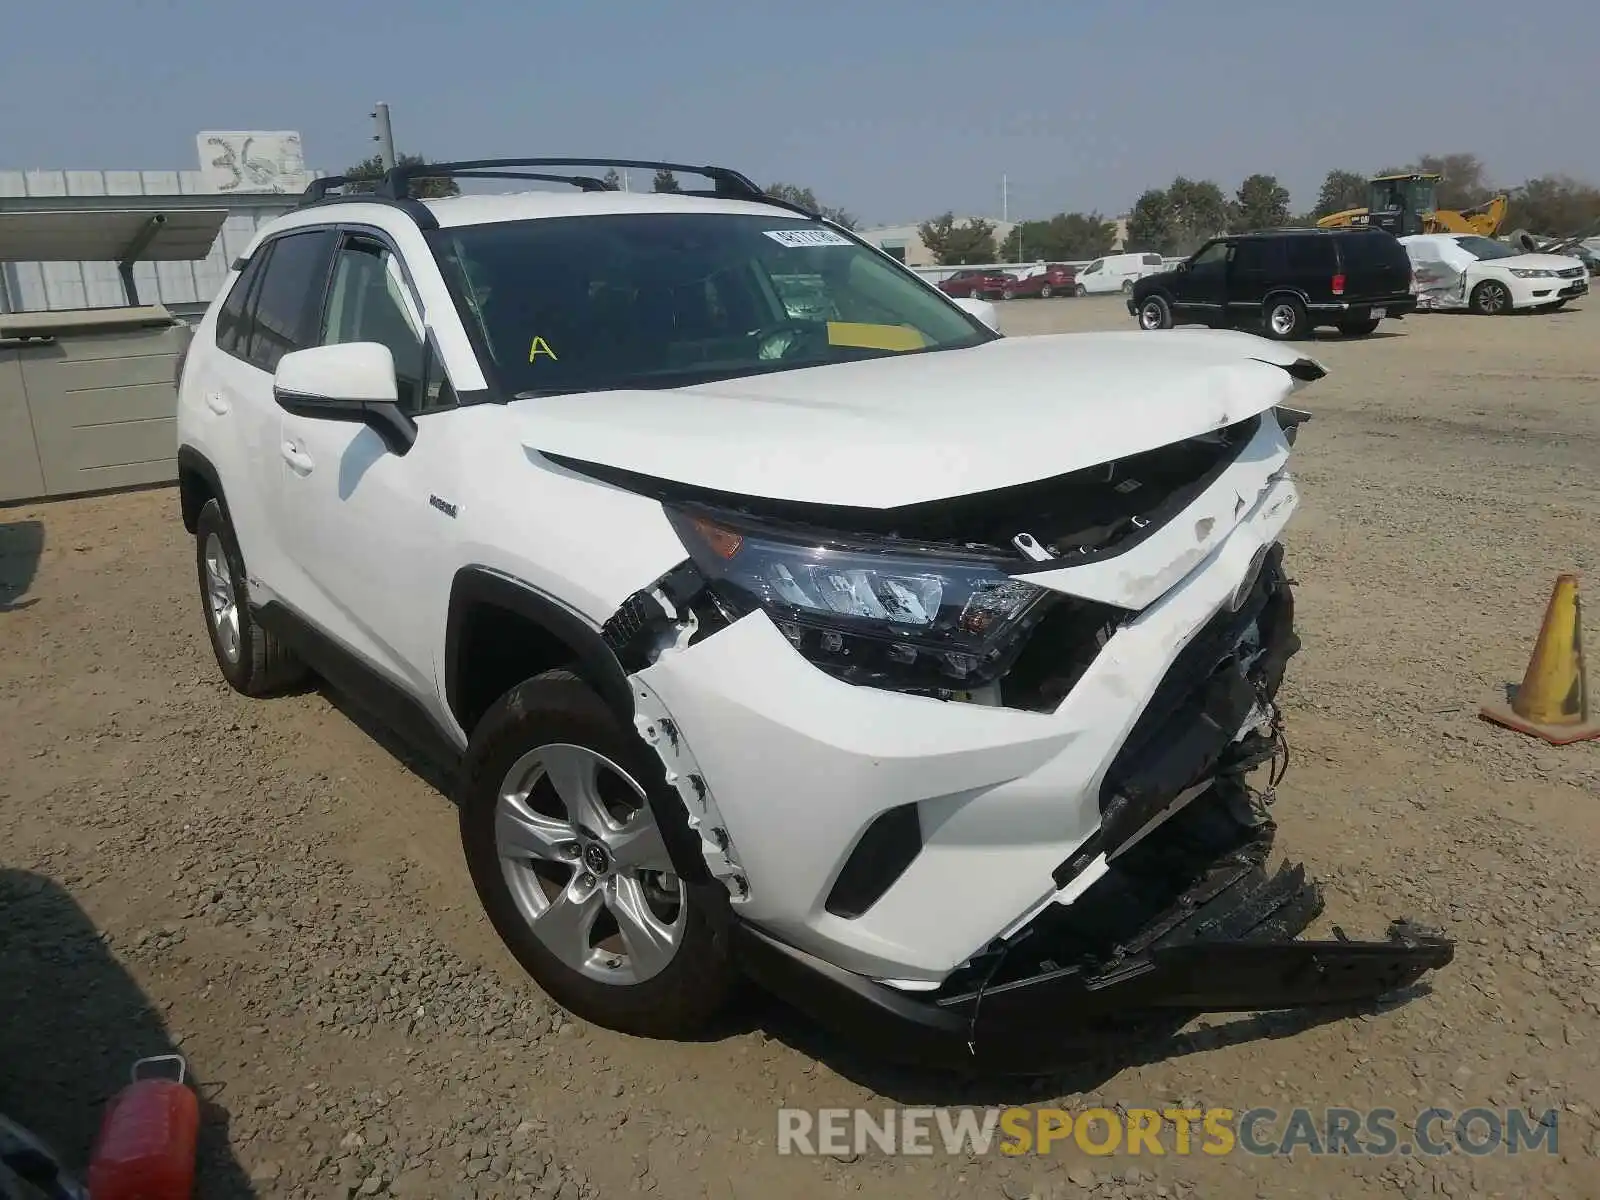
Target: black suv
x,y
1287,281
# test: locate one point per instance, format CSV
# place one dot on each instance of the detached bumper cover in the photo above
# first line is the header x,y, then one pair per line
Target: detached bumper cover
x,y
1226,945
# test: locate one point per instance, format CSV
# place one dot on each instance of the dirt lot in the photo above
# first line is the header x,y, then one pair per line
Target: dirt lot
x,y
265,886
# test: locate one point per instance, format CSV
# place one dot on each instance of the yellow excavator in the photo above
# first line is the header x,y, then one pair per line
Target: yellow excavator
x,y
1407,204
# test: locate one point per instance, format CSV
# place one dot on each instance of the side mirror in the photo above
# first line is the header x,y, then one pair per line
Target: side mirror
x,y
1183,266
984,310
354,381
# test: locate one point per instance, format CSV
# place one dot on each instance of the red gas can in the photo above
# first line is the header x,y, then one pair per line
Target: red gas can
x,y
146,1146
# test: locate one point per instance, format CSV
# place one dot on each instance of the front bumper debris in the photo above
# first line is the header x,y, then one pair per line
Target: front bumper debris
x,y
1226,943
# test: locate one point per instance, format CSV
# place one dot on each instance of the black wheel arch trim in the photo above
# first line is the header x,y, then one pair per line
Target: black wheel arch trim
x,y
482,585
191,460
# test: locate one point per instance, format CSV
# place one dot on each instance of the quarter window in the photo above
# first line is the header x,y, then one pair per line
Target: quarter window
x,y
233,324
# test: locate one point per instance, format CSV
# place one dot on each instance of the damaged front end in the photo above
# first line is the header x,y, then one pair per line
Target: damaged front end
x,y
1010,602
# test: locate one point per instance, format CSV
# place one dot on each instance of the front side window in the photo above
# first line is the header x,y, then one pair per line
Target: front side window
x,y
1213,255
1094,267
657,300
367,303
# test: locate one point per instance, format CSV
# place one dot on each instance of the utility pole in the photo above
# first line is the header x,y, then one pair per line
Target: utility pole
x,y
1005,199
385,135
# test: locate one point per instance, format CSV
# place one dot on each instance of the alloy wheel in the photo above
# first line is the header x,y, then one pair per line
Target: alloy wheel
x,y
586,864
221,605
1282,319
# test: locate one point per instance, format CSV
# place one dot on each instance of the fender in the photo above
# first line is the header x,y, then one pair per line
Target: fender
x,y
474,585
190,459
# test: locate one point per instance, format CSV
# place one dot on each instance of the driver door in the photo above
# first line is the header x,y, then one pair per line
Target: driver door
x,y
360,518
1202,289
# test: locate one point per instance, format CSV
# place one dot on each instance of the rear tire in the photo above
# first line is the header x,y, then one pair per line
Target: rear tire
x,y
1127,287
1008,294
1046,292
666,973
1285,318
1491,298
1359,329
252,660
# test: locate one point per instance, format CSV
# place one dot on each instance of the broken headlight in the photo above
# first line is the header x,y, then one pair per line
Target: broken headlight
x,y
864,612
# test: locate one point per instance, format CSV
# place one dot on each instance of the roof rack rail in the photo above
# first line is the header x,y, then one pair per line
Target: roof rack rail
x,y
396,181
394,186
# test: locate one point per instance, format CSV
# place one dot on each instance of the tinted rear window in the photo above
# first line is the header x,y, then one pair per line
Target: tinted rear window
x,y
1310,255
1372,250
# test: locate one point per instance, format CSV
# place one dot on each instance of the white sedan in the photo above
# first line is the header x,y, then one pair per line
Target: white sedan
x,y
1465,271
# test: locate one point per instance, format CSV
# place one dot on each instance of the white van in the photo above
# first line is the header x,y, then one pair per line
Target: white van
x,y
1116,272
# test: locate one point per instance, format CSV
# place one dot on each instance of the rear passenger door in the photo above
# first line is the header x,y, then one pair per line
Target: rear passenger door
x,y
1258,264
278,294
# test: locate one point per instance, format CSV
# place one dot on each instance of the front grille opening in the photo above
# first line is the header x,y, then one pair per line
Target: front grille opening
x,y
890,845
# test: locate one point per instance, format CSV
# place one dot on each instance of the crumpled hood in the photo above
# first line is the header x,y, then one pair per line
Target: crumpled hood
x,y
893,431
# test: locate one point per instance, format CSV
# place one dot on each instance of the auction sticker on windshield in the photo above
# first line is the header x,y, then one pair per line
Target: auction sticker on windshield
x,y
797,239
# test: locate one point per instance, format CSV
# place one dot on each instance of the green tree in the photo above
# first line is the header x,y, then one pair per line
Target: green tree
x,y
1150,224
611,179
665,181
365,174
806,198
1199,211
1463,185
972,241
1260,203
1341,191
1556,205
1066,237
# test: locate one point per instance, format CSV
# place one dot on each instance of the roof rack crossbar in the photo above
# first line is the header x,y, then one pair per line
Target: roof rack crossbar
x,y
394,187
730,183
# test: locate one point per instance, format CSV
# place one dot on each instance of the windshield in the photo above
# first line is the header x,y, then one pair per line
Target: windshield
x,y
1483,248
654,300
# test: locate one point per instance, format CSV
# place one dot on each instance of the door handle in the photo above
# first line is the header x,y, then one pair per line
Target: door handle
x,y
217,403
297,458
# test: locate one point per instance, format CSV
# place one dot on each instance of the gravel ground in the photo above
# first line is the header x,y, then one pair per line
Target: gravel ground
x,y
267,887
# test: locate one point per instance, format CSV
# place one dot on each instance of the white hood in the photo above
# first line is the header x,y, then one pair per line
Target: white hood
x,y
1536,262
893,431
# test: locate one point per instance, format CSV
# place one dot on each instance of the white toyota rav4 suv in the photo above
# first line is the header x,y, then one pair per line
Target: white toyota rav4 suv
x,y
777,616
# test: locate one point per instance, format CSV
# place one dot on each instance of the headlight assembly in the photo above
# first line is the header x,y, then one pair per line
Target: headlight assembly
x,y
1532,273
867,612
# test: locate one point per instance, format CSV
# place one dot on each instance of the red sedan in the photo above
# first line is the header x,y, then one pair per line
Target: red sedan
x,y
976,283
1057,279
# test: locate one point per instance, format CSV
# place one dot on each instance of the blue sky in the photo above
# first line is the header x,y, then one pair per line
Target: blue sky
x,y
893,109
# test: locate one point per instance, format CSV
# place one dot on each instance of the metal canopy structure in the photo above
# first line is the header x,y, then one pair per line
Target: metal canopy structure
x,y
117,229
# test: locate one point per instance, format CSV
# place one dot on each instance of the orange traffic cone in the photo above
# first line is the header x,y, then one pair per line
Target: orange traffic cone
x,y
1553,701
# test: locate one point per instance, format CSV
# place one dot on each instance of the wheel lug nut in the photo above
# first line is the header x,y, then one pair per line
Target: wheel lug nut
x,y
587,879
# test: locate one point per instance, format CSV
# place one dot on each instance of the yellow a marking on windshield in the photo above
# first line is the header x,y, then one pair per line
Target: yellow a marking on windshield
x,y
540,346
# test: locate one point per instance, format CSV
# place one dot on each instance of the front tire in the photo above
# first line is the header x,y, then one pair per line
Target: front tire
x,y
1491,298
561,838
252,660
1285,318
1080,290
1046,292
1155,313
